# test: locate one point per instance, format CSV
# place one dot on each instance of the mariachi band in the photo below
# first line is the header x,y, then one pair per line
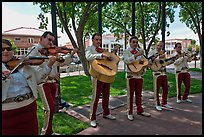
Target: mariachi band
x,y
36,72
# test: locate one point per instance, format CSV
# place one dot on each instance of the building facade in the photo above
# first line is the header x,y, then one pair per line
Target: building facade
x,y
170,43
23,38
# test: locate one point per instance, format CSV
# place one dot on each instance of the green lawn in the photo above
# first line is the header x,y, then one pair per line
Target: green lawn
x,y
196,69
77,91
62,123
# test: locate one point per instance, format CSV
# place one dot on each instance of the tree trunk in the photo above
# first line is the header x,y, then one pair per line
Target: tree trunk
x,y
84,64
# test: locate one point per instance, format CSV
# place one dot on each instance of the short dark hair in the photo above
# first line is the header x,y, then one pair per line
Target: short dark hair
x,y
176,45
46,33
133,37
96,34
7,42
159,42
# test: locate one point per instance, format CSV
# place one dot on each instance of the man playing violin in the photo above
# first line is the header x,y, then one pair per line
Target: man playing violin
x,y
182,74
98,87
159,77
19,94
134,80
48,89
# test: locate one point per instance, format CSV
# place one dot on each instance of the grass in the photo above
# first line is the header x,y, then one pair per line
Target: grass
x,y
77,91
62,123
196,69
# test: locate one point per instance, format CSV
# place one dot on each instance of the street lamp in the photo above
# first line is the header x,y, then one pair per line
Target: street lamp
x,y
126,17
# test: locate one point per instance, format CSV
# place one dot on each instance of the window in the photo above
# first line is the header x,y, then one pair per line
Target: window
x,y
30,40
17,39
105,46
22,51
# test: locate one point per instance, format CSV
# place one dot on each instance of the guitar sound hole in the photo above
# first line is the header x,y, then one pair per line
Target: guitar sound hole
x,y
109,58
105,66
141,62
161,61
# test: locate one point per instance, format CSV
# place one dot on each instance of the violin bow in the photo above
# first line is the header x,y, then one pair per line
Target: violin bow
x,y
21,61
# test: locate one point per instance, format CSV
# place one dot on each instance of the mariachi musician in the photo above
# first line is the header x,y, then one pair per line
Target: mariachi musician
x,y
48,89
19,93
160,78
134,80
182,74
98,87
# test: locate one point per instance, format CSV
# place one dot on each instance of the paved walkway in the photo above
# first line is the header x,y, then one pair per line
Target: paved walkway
x,y
194,74
184,119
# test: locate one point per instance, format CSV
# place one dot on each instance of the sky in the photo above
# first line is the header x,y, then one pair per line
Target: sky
x,y
24,14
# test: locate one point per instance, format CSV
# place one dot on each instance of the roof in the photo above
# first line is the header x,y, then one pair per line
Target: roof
x,y
24,31
177,39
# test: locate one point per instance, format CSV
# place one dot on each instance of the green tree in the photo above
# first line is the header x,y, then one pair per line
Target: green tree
x,y
148,20
191,14
81,17
193,42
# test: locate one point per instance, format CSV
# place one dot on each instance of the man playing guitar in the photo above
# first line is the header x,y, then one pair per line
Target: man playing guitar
x,y
134,80
99,87
159,77
182,74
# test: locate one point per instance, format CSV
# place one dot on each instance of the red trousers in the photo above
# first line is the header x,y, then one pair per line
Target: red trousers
x,y
185,78
50,92
161,81
21,121
99,87
134,86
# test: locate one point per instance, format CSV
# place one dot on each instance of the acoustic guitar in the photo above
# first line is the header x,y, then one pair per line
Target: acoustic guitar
x,y
158,63
138,65
105,69
188,53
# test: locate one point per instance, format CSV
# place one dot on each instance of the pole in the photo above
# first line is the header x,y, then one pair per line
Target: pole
x,y
54,22
163,23
61,103
195,60
99,18
133,18
125,44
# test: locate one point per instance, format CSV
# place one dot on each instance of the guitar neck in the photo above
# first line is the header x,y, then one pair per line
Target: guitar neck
x,y
171,58
38,57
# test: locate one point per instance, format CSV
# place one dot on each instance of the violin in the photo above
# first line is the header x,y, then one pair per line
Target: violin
x,y
36,58
31,60
54,50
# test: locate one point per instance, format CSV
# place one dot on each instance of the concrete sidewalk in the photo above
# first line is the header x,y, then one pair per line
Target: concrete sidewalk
x,y
184,119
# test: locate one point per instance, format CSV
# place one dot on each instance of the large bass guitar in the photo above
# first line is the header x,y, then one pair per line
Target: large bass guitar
x,y
105,69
